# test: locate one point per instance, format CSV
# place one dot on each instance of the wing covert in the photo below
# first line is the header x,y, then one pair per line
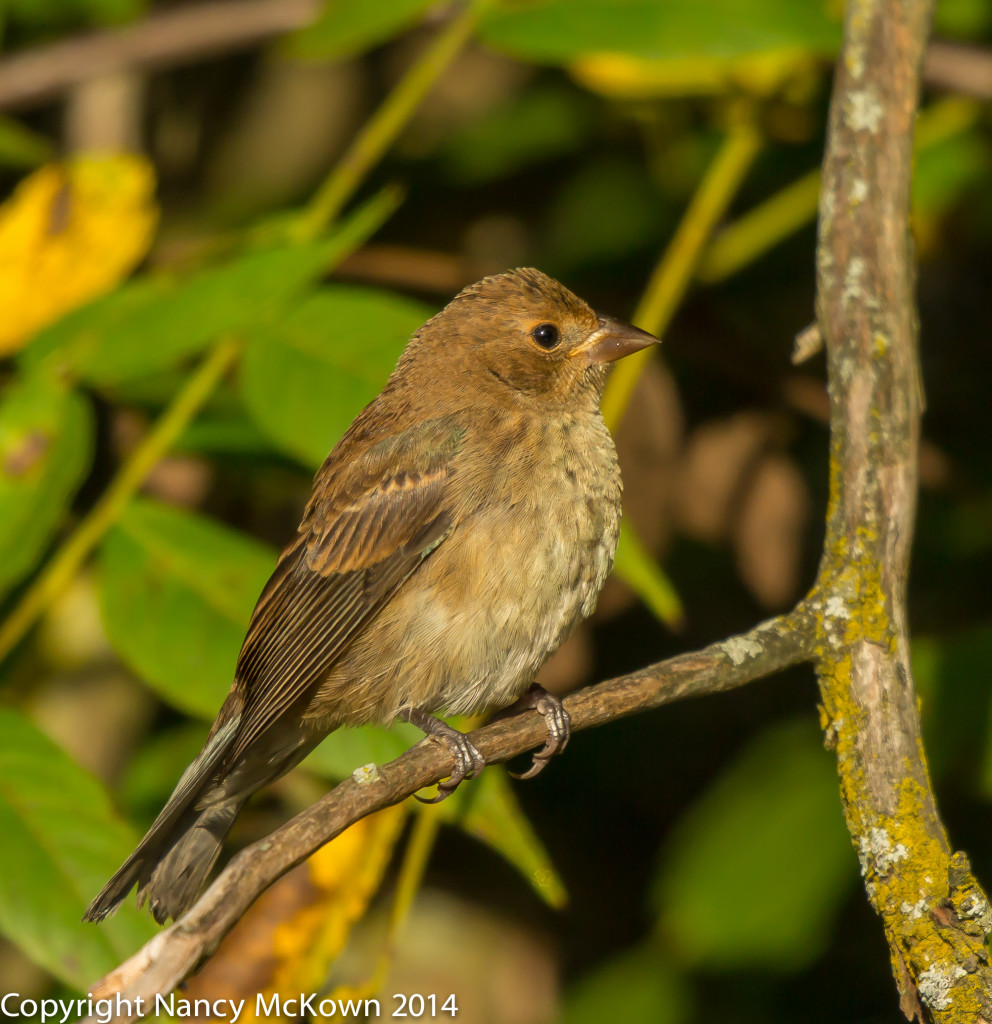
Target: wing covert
x,y
367,528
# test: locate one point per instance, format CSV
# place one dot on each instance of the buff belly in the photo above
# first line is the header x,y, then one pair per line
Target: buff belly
x,y
473,634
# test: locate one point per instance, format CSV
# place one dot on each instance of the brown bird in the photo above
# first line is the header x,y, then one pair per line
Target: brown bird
x,y
457,534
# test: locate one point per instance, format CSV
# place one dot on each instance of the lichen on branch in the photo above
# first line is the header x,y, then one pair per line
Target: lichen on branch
x,y
865,275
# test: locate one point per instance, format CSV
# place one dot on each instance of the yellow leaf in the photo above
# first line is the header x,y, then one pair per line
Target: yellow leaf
x,y
290,937
69,233
346,873
622,77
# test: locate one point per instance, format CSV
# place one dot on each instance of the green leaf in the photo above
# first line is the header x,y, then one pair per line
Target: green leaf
x,y
965,19
345,27
347,749
152,323
757,870
61,842
539,124
607,210
946,170
46,439
153,771
635,565
488,809
21,147
559,31
305,378
638,985
177,591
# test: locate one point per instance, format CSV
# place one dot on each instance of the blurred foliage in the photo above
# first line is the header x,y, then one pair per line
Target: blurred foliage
x,y
676,867
557,31
306,377
60,838
345,29
285,941
731,895
177,592
20,147
45,450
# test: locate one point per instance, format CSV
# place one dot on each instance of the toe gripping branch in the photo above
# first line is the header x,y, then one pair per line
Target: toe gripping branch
x,y
557,721
469,762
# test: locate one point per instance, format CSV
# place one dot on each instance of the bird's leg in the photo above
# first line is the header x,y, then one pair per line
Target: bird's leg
x,y
468,761
557,720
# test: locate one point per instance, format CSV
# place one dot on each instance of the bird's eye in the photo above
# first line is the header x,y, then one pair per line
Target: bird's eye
x,y
546,335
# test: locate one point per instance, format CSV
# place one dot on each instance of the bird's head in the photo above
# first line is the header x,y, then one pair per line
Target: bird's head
x,y
524,334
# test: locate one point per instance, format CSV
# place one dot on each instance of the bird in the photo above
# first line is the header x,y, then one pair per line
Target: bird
x,y
456,535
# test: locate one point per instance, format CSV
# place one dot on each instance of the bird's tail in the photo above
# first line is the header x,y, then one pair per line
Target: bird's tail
x,y
172,861
175,882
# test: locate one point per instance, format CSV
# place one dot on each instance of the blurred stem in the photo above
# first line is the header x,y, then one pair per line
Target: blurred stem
x,y
61,569
752,235
760,229
415,858
388,121
674,271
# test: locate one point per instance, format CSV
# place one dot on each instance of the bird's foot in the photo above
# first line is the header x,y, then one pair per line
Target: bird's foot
x,y
557,720
468,761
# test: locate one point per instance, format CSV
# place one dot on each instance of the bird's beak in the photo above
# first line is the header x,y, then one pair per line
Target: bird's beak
x,y
614,339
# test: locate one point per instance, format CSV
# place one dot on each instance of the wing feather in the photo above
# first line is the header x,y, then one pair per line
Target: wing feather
x,y
368,527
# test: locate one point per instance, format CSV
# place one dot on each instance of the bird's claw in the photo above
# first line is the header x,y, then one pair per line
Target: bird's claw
x,y
468,761
558,722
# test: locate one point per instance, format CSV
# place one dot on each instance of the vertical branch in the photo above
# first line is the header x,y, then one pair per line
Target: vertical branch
x,y
935,916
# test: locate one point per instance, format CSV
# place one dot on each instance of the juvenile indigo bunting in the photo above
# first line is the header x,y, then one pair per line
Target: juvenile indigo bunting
x,y
456,535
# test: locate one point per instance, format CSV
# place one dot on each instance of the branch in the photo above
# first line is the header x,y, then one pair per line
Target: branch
x,y
173,954
935,915
672,275
964,69
161,40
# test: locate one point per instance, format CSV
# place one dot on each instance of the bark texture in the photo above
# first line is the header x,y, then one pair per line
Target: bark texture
x,y
936,917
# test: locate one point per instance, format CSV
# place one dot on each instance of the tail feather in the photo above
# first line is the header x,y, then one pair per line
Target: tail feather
x,y
174,883
170,830
171,864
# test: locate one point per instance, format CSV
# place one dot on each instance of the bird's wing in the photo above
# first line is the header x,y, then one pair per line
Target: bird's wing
x,y
369,525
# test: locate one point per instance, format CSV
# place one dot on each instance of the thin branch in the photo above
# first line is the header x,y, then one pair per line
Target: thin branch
x,y
672,275
173,954
766,225
963,69
164,39
392,116
807,343
935,915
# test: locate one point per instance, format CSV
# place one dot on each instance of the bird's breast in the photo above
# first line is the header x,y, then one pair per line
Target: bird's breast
x,y
539,545
533,542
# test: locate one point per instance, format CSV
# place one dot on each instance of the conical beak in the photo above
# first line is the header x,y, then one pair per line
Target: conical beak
x,y
614,339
